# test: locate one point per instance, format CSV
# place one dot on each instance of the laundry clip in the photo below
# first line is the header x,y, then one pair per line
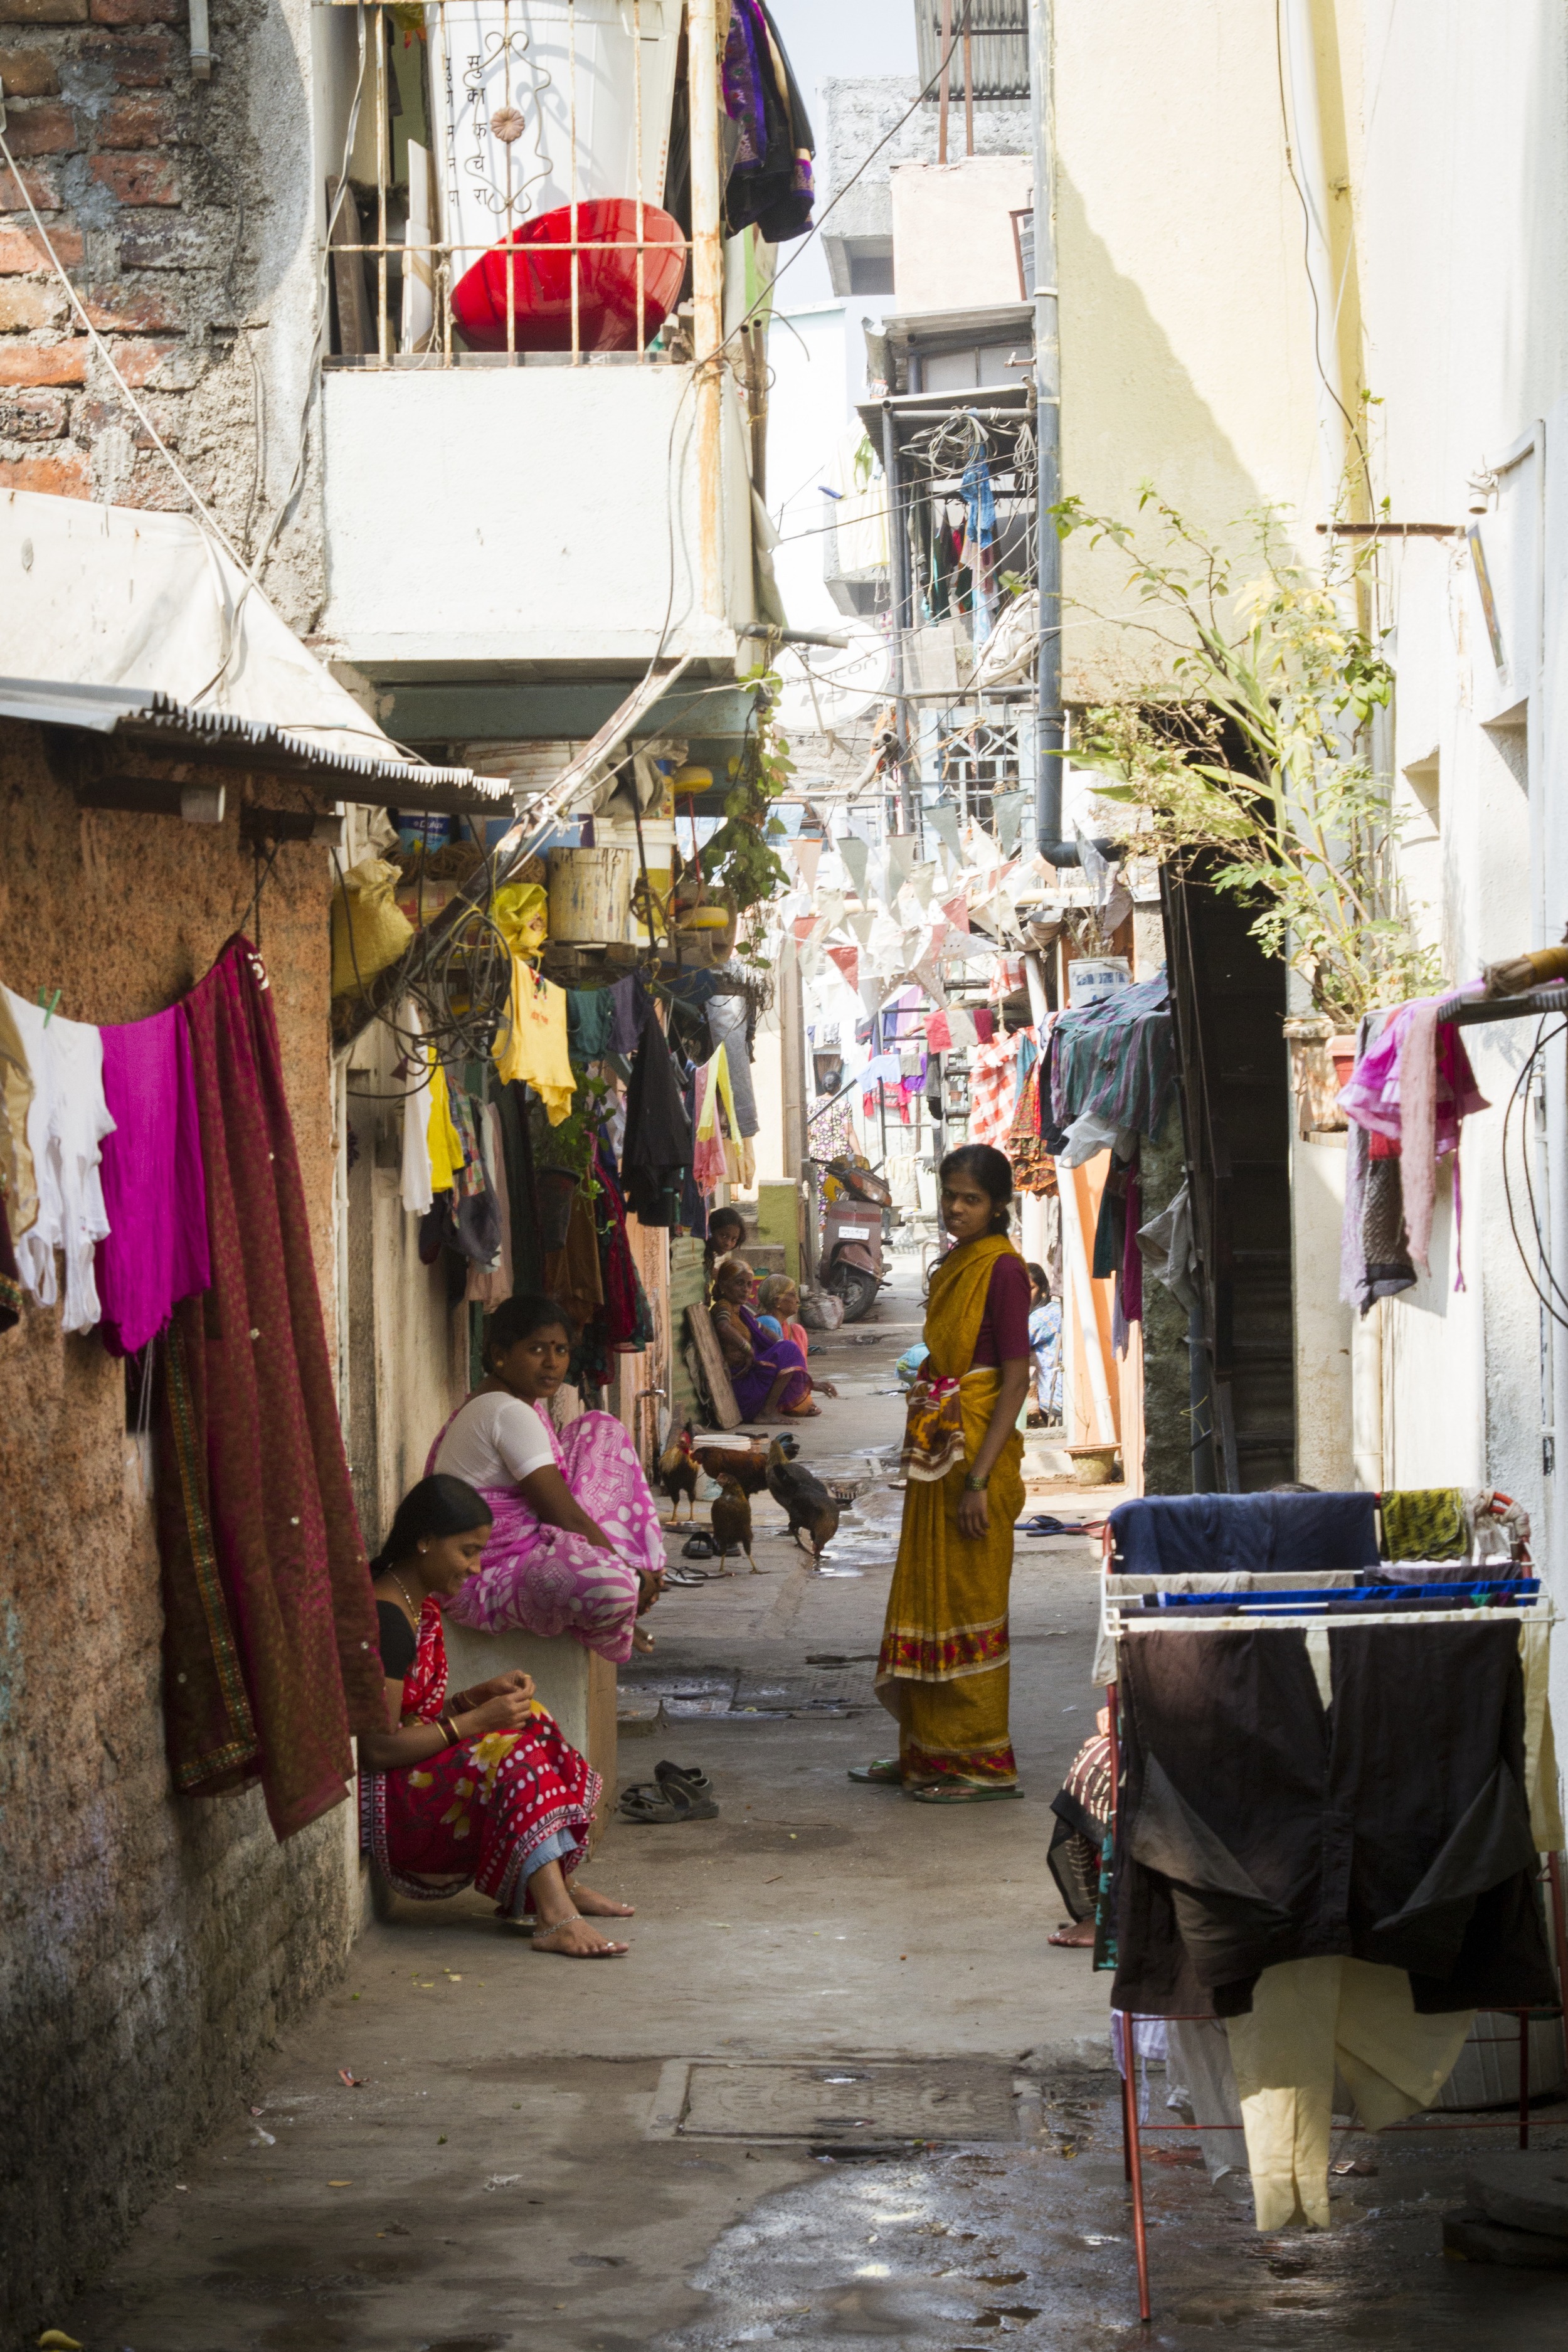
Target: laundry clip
x,y
51,1008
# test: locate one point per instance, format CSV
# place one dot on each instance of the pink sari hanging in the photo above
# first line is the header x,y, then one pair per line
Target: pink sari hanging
x,y
536,1579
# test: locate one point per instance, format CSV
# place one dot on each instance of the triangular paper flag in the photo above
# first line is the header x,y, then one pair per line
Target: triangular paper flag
x,y
943,821
873,994
861,925
830,908
807,855
956,909
983,851
903,855
921,880
928,971
848,962
1007,816
855,853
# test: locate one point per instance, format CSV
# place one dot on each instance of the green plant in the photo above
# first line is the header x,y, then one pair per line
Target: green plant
x,y
572,1143
1261,757
739,859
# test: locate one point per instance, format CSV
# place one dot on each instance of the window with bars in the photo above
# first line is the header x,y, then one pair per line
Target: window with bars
x,y
513,183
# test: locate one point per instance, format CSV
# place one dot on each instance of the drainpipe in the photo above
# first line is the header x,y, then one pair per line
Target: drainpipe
x,y
1049,730
706,293
1299,46
901,588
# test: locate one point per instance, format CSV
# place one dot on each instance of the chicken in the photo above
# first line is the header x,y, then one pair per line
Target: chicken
x,y
805,1500
747,1466
677,1473
732,1520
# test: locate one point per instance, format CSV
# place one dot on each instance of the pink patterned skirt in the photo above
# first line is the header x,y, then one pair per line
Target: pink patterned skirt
x,y
536,1579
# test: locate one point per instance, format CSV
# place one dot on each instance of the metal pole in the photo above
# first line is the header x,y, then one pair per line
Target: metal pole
x,y
708,290
899,581
968,83
1050,733
944,85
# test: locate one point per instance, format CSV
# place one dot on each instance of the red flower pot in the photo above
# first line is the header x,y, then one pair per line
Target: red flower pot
x,y
542,282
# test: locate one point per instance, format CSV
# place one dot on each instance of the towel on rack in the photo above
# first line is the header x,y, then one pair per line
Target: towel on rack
x,y
1176,1534
1426,1523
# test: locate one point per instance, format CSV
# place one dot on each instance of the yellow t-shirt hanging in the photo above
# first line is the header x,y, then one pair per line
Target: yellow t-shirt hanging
x,y
530,1044
446,1143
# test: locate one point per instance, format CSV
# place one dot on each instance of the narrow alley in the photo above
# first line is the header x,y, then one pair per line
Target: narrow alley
x,y
783,1050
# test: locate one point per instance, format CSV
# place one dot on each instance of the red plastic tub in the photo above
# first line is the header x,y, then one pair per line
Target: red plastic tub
x,y
542,282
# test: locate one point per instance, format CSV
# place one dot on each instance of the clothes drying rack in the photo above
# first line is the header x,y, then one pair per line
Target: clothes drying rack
x,y
1297,1615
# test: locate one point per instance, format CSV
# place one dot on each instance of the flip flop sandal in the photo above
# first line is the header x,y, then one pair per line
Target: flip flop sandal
x,y
690,1776
673,1803
699,1548
678,1575
884,1773
948,1795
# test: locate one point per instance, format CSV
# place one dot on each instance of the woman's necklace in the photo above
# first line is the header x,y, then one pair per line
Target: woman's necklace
x,y
408,1603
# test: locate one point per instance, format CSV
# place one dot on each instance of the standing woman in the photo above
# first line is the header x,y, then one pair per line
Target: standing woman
x,y
943,1671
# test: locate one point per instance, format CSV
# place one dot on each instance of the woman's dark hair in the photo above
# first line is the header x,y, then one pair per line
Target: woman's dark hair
x,y
436,1506
1038,1277
727,1217
519,1317
991,1171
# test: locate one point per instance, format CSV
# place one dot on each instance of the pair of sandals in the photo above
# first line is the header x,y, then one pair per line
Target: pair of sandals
x,y
676,1793
884,1772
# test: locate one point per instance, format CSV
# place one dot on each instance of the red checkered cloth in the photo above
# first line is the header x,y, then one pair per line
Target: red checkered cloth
x,y
993,1091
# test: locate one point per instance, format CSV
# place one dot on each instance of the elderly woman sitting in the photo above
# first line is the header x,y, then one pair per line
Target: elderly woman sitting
x,y
768,1375
479,1789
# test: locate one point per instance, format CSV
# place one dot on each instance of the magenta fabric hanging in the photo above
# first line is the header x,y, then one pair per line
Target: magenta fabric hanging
x,y
154,1185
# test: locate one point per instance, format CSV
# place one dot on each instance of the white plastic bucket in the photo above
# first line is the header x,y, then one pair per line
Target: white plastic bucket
x,y
1091,978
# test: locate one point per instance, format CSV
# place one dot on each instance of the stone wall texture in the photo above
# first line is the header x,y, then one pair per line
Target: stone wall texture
x,y
181,213
150,1945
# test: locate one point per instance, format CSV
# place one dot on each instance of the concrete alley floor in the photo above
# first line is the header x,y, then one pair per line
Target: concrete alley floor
x,y
538,2154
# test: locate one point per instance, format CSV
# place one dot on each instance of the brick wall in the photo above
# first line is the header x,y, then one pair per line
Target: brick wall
x,y
150,1946
181,211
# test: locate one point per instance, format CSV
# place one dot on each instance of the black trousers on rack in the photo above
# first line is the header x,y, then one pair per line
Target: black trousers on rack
x,y
1254,1825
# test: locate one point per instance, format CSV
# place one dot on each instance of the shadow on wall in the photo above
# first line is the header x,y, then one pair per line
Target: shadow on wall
x,y
1130,412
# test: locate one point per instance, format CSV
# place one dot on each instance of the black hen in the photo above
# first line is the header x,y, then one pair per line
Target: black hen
x,y
805,1498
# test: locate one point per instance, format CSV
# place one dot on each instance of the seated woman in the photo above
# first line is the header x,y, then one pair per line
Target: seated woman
x,y
479,1789
576,1546
780,1302
768,1375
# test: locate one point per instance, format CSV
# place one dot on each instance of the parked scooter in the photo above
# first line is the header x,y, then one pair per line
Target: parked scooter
x,y
850,1265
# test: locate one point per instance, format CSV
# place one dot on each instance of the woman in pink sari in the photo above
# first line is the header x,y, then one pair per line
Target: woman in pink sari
x,y
576,1546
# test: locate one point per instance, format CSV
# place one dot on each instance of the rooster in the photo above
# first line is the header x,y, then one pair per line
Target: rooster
x,y
732,1520
677,1473
748,1466
805,1498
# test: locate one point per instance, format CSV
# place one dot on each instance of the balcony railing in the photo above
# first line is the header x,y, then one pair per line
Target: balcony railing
x,y
500,192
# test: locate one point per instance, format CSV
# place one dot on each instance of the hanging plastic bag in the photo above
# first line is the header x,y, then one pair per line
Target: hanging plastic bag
x,y
369,930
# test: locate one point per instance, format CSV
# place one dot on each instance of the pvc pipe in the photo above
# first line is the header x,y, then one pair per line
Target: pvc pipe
x,y
1049,726
707,291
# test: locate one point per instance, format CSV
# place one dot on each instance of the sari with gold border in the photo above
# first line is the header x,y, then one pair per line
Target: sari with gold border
x,y
943,1667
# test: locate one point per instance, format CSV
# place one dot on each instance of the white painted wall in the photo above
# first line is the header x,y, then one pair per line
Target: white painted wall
x,y
953,247
523,514
809,414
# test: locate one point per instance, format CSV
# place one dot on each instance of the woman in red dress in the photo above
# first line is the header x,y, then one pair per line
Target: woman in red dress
x,y
481,1789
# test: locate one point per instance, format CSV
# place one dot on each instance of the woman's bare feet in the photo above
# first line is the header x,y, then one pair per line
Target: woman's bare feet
x,y
642,1640
1079,1936
577,1938
599,1906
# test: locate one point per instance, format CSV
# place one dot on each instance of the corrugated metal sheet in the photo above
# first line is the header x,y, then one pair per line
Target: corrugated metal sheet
x,y
999,41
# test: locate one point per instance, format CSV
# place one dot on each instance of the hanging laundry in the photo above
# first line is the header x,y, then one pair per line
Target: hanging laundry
x,y
489,1284
444,1144
1424,1523
10,1280
771,181
993,1093
475,1217
530,1044
1412,1087
154,1185
270,1659
656,1153
630,1006
729,1021
521,1192
416,1184
980,531
67,1122
1116,1059
709,1165
590,1025
17,1181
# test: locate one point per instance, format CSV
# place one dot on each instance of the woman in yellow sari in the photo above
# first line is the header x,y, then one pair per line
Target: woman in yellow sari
x,y
943,1671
